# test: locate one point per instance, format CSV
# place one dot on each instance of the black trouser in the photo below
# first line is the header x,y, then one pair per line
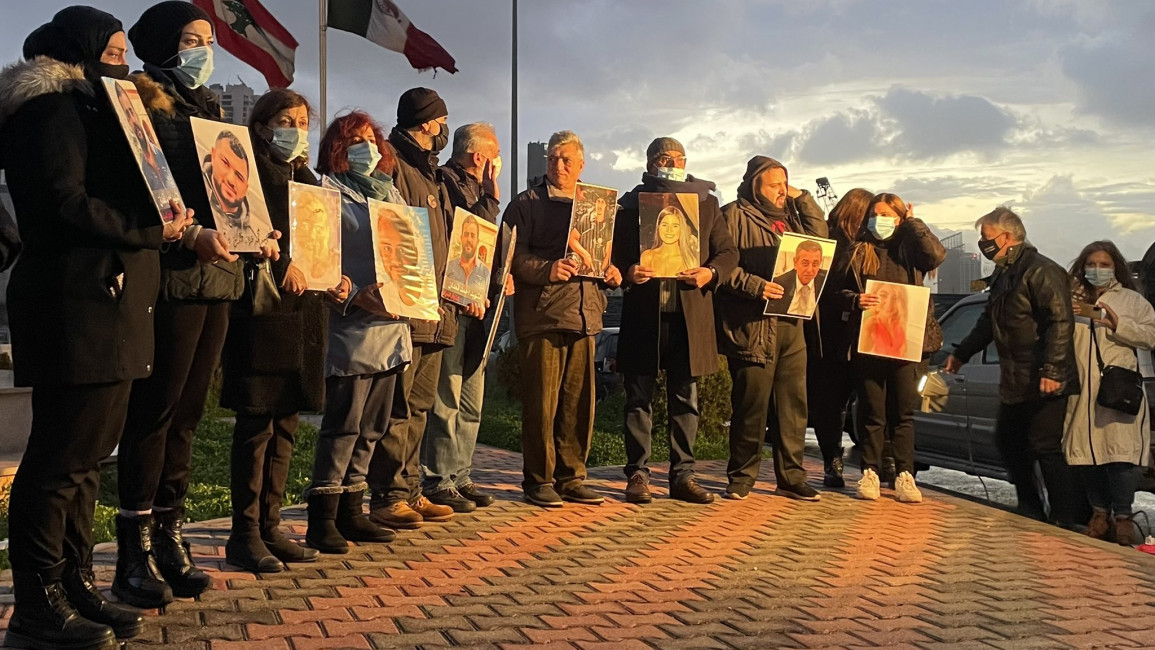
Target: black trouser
x,y
829,384
154,460
1111,486
755,385
681,405
261,451
53,497
1030,432
557,408
357,409
395,469
887,397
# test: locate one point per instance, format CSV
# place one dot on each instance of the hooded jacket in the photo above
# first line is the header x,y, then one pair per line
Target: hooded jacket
x,y
638,338
81,296
744,332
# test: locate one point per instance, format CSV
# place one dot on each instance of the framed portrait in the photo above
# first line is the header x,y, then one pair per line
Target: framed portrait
x,y
495,313
315,234
591,229
146,149
801,267
472,246
668,232
232,183
895,327
403,253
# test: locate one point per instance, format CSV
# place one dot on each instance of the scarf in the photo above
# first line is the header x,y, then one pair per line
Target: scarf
x,y
377,186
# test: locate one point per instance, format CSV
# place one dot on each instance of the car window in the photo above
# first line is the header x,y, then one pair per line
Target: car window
x,y
991,354
955,327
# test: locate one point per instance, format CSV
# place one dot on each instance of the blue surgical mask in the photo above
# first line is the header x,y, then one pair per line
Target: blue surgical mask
x,y
883,228
1099,277
363,158
671,173
195,67
290,143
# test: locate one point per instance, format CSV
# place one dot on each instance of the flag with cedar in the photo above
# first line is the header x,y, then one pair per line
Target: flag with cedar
x,y
249,32
383,22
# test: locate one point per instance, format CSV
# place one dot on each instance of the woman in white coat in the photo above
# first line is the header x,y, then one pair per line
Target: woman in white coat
x,y
1108,445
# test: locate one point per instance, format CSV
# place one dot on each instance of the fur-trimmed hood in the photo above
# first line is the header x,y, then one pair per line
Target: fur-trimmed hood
x,y
153,95
24,81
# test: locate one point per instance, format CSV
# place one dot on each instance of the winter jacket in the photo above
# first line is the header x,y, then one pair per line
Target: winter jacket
x,y
1029,318
1095,435
272,364
540,305
638,338
169,108
837,336
464,191
81,296
416,178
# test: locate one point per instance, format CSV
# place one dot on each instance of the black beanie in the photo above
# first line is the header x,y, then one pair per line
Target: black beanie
x,y
418,106
156,36
75,35
662,145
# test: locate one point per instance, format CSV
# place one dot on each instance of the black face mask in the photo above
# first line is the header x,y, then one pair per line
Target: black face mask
x,y
989,248
100,69
441,139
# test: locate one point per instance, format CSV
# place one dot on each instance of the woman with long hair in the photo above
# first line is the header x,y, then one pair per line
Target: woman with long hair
x,y
1113,325
892,246
675,245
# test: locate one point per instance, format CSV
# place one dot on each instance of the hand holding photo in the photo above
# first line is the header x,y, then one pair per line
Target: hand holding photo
x,y
315,234
801,268
896,326
470,264
668,232
233,186
145,147
592,229
403,252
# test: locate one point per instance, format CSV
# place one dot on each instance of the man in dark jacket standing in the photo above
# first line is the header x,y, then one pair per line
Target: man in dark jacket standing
x,y
395,471
766,354
1030,319
668,324
470,182
556,315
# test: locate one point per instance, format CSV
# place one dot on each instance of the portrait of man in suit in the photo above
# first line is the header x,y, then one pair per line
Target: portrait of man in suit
x,y
802,284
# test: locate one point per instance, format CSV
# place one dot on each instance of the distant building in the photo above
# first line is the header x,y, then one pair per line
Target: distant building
x,y
237,101
960,268
534,161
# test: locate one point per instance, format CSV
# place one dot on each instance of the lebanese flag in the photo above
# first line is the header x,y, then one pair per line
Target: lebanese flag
x,y
248,31
382,22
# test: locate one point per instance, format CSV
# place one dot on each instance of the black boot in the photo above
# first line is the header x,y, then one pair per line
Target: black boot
x,y
43,617
246,550
285,549
354,526
833,475
172,556
138,581
80,586
322,533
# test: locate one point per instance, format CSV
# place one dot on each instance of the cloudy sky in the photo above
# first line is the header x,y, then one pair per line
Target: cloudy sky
x,y
1047,106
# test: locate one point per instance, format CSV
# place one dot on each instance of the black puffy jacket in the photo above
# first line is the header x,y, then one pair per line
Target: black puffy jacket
x,y
1029,317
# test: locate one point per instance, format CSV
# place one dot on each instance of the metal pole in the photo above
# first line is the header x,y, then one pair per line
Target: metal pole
x,y
513,127
323,6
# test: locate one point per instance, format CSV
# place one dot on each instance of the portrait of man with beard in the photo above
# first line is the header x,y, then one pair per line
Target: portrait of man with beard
x,y
467,274
234,190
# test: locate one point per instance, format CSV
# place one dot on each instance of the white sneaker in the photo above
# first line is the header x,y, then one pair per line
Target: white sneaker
x,y
868,485
905,490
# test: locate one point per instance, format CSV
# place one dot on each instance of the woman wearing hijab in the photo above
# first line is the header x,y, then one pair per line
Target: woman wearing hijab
x,y
198,280
80,302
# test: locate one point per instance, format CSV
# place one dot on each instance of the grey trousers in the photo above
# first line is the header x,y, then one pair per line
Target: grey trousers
x,y
357,410
395,469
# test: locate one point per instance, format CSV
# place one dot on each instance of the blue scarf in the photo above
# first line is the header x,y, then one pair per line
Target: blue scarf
x,y
377,186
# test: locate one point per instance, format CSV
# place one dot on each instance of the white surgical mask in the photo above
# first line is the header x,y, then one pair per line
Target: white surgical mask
x,y
290,143
671,173
363,158
195,67
882,227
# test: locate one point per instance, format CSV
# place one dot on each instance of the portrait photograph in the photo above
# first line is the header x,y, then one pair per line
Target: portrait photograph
x,y
591,231
668,231
315,234
470,263
801,268
233,186
145,147
403,252
509,239
896,326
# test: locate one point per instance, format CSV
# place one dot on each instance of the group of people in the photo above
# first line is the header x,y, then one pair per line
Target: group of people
x,y
119,320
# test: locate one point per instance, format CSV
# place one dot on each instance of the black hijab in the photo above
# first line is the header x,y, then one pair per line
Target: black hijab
x,y
77,35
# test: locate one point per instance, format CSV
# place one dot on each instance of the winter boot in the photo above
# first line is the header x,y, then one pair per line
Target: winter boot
x,y
138,580
43,618
322,533
354,525
172,556
80,586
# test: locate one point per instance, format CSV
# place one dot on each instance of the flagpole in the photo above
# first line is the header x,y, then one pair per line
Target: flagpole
x,y
513,126
322,6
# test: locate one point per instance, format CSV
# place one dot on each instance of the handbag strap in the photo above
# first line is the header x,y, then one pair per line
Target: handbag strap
x,y
1098,355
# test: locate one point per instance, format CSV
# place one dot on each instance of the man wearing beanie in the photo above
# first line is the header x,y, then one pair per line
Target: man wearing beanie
x,y
395,471
668,324
766,355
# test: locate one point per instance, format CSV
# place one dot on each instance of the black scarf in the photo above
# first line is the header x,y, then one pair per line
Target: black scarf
x,y
424,160
78,35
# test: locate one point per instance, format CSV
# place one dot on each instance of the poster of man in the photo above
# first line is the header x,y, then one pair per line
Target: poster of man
x,y
509,239
668,231
315,234
145,147
469,267
403,252
800,269
592,229
896,327
234,188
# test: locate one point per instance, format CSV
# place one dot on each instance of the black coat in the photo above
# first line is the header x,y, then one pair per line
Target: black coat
x,y
1030,319
837,336
638,338
273,364
81,296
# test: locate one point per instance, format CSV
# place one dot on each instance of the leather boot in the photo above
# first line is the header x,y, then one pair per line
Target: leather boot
x,y
43,618
80,587
138,581
354,525
832,477
245,549
172,556
322,533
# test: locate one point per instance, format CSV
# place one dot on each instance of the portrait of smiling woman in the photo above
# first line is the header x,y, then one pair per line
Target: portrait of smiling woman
x,y
674,245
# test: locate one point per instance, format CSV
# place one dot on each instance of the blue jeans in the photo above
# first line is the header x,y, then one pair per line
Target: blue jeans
x,y
451,432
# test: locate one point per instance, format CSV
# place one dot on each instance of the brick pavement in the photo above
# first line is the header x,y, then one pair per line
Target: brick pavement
x,y
765,572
